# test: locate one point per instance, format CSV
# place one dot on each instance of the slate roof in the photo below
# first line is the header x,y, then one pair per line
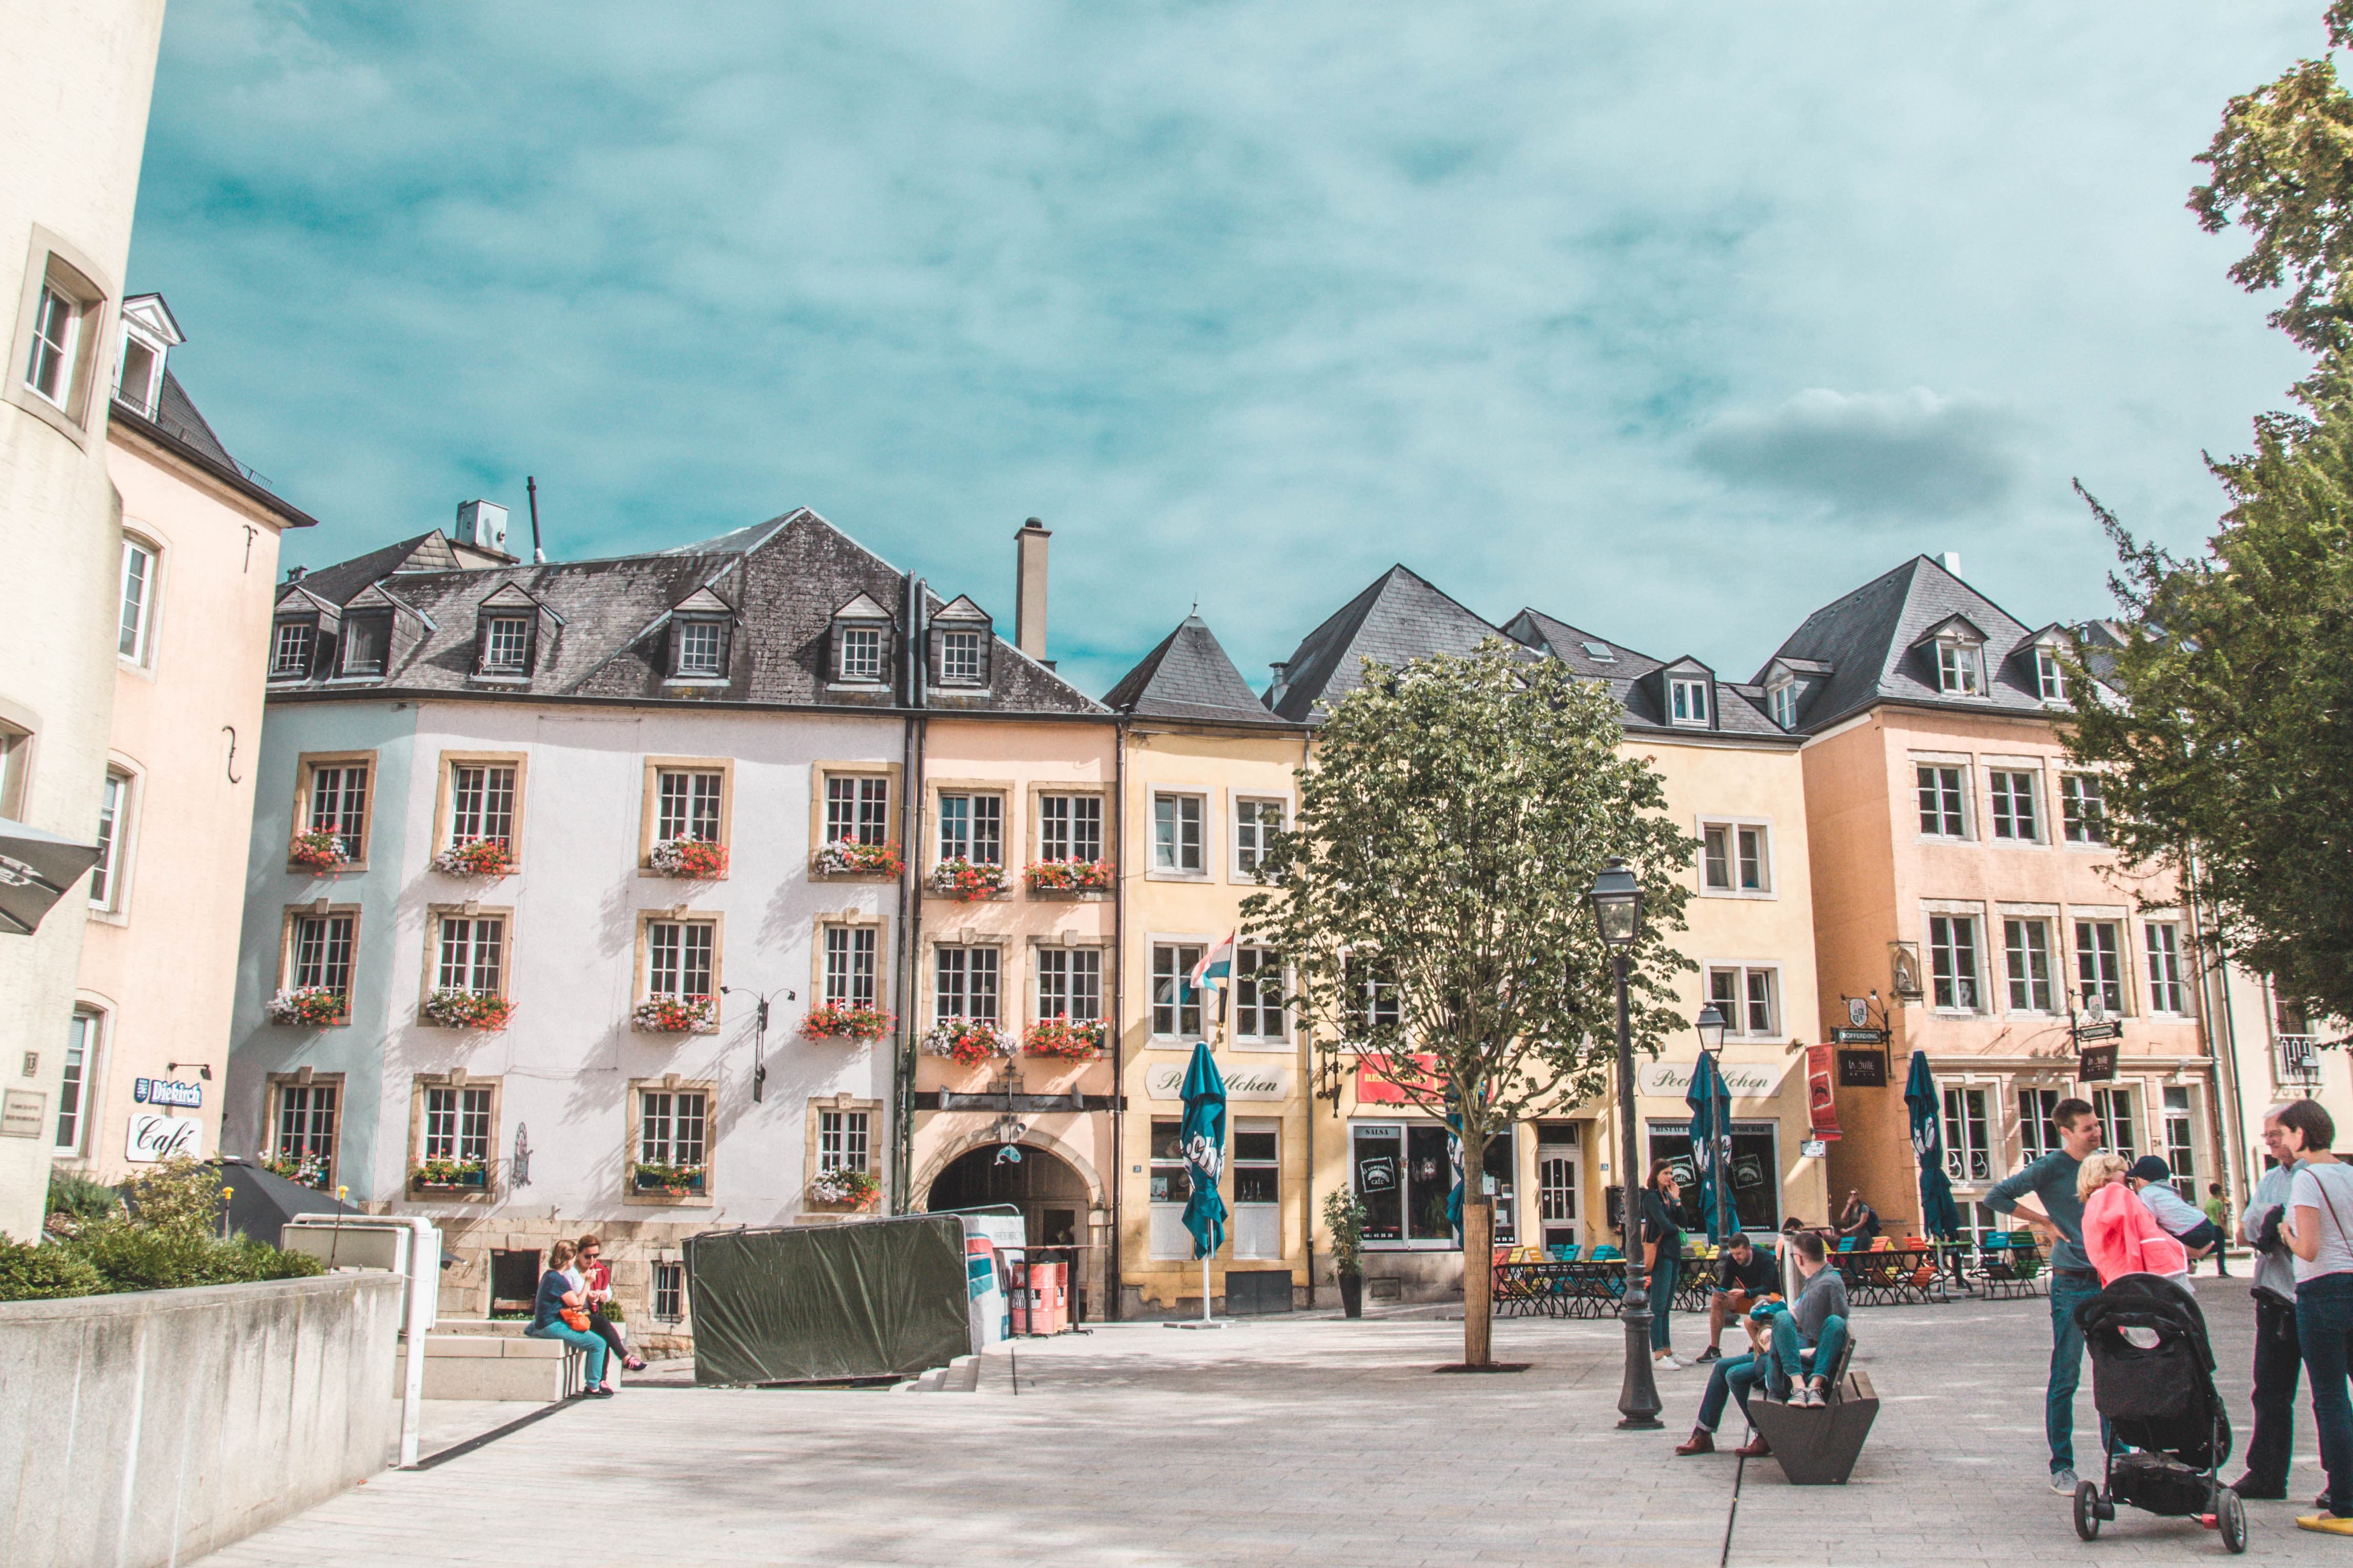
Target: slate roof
x,y
1400,617
603,625
177,424
1737,709
1188,676
1864,649
177,416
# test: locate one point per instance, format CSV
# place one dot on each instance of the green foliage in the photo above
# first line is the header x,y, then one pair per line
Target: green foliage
x,y
167,1240
81,1198
1344,1216
30,1271
1457,813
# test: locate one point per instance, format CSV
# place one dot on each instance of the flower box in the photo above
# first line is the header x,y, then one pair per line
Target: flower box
x,y
449,1176
844,1186
647,1179
319,851
475,857
694,858
1071,877
967,1040
965,880
845,857
310,1171
453,1009
840,1021
673,1015
315,1006
1076,1039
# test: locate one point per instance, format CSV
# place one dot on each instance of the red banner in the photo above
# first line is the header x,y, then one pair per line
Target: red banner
x,y
1820,1062
1375,1087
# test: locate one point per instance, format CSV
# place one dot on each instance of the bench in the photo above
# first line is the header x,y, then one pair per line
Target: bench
x,y
501,1367
1818,1445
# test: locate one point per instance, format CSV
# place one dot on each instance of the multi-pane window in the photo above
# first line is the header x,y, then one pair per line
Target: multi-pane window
x,y
1258,995
964,982
1732,858
367,642
56,339
842,1139
1960,668
1177,833
1256,822
678,957
862,653
1784,700
506,645
2100,965
2082,809
138,591
1070,983
1969,1151
339,798
2036,1107
1176,1006
1750,999
671,1124
2165,992
473,953
1257,1169
105,875
857,809
1941,802
2013,806
2115,1108
1069,828
1371,997
482,803
849,965
960,657
972,827
322,952
669,1290
1172,1180
81,1056
2050,679
2026,955
686,805
1687,702
458,1124
1953,961
290,650
2180,1141
700,649
306,1123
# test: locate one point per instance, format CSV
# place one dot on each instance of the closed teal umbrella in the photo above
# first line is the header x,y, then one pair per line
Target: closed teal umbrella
x,y
1203,1134
1710,1099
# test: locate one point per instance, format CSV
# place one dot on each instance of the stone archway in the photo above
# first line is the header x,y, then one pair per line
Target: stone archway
x,y
1053,1196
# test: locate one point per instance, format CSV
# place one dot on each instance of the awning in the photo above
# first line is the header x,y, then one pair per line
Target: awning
x,y
36,870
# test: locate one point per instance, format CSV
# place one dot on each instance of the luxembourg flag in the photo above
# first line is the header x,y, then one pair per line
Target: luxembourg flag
x,y
1216,965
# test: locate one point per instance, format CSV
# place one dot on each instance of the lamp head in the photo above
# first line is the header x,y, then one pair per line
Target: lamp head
x,y
1617,899
1711,1025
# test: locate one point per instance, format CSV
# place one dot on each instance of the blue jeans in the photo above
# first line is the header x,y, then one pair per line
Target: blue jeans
x,y
2067,1293
1788,1365
2324,1321
1663,1296
1733,1377
578,1339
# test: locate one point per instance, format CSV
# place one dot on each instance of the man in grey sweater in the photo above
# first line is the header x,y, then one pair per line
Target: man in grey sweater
x,y
2057,1216
2278,1361
1815,1322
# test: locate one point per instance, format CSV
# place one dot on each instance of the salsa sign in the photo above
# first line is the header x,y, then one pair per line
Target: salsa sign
x,y
156,1137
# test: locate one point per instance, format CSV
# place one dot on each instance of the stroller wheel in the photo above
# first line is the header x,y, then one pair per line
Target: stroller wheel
x,y
2231,1521
2087,1510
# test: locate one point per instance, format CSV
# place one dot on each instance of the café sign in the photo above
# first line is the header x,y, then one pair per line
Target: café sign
x,y
155,1137
168,1091
1166,1080
1746,1080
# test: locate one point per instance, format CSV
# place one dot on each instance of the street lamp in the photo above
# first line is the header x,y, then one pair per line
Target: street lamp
x,y
759,1034
1617,899
1710,1027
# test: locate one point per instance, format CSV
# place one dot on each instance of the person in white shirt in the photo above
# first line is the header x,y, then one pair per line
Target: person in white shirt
x,y
2279,1361
2320,1233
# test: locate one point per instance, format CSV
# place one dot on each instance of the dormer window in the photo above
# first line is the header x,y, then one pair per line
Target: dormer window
x,y
960,658
367,641
1687,702
506,645
862,653
1960,668
2050,679
149,333
698,650
1784,700
290,649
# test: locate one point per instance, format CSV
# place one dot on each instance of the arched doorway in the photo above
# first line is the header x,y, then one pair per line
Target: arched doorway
x,y
1051,1194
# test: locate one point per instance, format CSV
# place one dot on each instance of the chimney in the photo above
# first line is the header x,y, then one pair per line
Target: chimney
x,y
1952,561
483,524
294,573
1029,589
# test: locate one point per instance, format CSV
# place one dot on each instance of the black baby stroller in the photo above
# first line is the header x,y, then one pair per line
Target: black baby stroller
x,y
2153,1380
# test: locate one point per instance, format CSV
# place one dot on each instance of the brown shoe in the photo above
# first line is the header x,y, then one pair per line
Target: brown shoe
x,y
1757,1447
1702,1441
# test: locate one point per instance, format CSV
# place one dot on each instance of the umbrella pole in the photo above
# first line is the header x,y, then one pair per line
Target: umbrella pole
x,y
1205,1286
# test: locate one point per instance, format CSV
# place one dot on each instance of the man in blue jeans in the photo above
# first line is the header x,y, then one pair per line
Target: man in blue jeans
x,y
1815,1322
2057,1216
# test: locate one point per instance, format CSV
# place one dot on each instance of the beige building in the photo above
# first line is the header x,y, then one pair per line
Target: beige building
x,y
145,1056
74,85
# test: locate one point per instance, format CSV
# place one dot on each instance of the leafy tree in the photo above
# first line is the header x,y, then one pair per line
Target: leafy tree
x,y
1430,898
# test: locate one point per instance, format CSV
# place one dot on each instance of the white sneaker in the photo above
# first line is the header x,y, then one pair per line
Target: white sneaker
x,y
1666,1363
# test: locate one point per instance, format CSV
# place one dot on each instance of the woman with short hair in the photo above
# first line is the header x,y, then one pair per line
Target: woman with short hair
x,y
2318,1230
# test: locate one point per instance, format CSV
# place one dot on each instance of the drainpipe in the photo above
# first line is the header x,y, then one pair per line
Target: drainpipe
x,y
1307,1111
1115,1271
911,903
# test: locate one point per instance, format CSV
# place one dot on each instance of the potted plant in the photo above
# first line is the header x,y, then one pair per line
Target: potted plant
x,y
1071,877
965,880
696,859
672,1014
967,1041
315,1005
449,1175
845,1021
318,850
456,1009
841,1185
475,857
847,857
309,1170
1344,1216
651,1176
1076,1039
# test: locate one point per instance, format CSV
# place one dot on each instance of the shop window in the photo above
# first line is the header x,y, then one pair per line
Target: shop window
x,y
1257,1211
1753,1174
1403,1171
1501,1166
1969,1143
1171,1187
1176,1006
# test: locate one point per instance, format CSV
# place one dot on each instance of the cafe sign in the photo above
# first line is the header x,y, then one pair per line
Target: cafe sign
x,y
1746,1080
1166,1080
168,1091
154,1138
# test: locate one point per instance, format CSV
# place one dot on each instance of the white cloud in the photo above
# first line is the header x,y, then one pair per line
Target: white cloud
x,y
1882,456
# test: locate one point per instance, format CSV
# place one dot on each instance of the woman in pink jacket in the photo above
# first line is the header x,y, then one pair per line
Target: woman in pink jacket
x,y
2120,1236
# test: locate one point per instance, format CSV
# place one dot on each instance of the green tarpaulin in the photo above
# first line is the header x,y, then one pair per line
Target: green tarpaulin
x,y
873,1299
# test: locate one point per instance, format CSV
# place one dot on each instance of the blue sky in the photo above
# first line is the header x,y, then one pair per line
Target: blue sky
x,y
1673,320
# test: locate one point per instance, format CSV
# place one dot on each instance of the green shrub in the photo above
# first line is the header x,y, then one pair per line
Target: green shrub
x,y
180,1194
81,1197
136,1258
33,1272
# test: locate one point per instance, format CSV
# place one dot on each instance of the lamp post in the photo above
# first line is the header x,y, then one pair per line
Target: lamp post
x,y
759,1035
1617,899
1710,1027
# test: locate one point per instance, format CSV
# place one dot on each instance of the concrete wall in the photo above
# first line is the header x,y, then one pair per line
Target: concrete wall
x,y
155,1426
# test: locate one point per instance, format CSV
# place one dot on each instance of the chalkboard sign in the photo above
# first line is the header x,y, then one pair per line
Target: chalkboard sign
x,y
1863,1069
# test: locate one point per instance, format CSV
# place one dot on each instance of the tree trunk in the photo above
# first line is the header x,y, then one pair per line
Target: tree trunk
x,y
1478,1278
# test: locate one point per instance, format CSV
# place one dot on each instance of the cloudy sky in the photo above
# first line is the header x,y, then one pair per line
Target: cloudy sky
x,y
1672,320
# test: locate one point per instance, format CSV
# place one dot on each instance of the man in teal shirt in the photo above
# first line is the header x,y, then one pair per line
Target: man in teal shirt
x,y
2057,1214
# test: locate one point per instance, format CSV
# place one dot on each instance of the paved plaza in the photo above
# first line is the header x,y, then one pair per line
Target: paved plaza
x,y
1305,1440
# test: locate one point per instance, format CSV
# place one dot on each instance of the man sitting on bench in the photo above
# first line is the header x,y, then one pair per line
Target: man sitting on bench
x,y
1815,1322
1746,1277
